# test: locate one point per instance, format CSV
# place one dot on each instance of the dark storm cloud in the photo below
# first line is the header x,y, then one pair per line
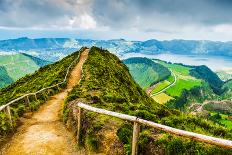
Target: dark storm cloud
x,y
29,13
131,18
117,13
125,13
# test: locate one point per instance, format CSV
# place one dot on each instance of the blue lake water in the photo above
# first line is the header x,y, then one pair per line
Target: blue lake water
x,y
216,63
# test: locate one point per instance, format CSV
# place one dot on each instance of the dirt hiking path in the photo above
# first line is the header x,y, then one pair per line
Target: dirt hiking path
x,y
44,133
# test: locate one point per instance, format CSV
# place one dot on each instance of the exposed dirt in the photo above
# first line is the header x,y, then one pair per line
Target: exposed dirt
x,y
44,133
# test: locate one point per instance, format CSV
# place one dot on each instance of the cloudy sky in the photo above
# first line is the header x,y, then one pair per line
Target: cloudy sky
x,y
111,19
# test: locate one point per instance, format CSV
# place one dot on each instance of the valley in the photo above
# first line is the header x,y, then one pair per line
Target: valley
x,y
106,83
193,89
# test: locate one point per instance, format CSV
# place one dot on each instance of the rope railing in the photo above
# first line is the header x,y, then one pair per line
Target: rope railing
x,y
6,107
138,121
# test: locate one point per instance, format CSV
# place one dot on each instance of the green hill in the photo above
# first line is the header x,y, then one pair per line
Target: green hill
x,y
5,79
203,72
228,90
228,84
17,66
42,78
106,83
146,72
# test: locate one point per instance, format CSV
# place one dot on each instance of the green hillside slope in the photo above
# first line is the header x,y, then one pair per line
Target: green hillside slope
x,y
146,72
228,90
42,78
106,83
203,72
19,65
5,79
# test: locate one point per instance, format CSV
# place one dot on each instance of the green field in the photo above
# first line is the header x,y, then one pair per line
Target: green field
x,y
223,120
162,98
182,84
176,67
184,79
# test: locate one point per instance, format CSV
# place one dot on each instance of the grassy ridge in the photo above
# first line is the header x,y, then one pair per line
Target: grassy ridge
x,y
44,77
146,72
106,83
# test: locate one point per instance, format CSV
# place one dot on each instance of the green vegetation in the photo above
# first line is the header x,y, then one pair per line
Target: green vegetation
x,y
44,77
17,66
106,83
179,68
185,81
182,85
223,119
146,72
5,79
162,98
160,86
228,90
225,75
203,72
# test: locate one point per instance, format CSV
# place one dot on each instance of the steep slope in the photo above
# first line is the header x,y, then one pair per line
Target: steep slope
x,y
44,133
44,77
228,90
203,72
19,65
106,83
146,72
38,61
5,79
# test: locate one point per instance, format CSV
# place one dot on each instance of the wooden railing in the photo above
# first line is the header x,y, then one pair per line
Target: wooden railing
x,y
136,129
6,107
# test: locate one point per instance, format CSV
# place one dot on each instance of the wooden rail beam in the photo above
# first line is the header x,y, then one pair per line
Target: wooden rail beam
x,y
195,136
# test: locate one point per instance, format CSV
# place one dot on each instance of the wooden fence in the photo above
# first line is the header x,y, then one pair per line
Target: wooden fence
x,y
137,121
6,107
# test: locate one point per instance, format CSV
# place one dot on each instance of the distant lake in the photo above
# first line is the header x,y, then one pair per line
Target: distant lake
x,y
216,63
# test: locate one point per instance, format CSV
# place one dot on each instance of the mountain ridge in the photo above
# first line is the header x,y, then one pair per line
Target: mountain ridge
x,y
120,46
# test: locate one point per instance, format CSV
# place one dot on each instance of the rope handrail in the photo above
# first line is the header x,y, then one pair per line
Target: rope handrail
x,y
55,85
192,135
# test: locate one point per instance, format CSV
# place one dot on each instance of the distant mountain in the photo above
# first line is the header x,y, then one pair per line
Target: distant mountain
x,y
54,49
15,66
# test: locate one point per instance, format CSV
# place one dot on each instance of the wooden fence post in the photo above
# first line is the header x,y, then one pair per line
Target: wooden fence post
x,y
78,125
58,87
28,102
36,97
44,95
8,113
136,130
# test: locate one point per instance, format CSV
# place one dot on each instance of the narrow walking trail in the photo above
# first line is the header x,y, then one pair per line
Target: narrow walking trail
x,y
44,133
